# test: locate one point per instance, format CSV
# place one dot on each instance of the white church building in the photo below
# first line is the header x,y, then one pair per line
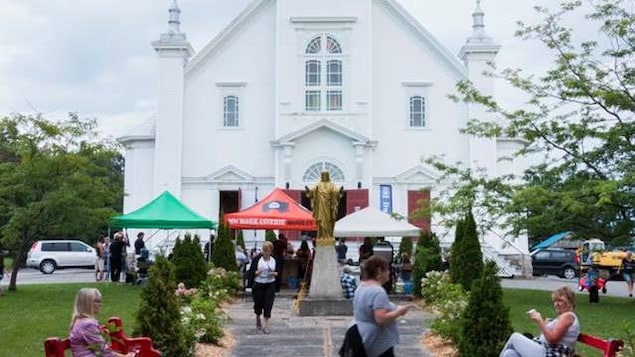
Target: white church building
x,y
293,87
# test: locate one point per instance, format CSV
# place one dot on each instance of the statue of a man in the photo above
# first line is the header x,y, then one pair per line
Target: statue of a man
x,y
325,200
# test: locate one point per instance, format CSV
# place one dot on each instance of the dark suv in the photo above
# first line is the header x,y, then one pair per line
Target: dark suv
x,y
552,261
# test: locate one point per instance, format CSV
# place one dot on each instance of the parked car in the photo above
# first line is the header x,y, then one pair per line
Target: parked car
x,y
48,255
553,261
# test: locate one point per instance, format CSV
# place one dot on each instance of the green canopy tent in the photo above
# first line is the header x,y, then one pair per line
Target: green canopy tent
x,y
164,212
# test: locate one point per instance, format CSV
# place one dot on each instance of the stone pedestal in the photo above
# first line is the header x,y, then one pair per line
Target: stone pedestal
x,y
326,307
325,282
325,294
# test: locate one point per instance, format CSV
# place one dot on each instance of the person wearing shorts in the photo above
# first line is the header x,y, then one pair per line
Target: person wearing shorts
x,y
99,262
627,267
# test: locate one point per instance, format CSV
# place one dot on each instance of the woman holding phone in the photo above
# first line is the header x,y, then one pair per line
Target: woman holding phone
x,y
374,313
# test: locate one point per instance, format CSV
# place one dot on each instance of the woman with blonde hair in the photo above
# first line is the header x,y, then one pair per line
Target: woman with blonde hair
x,y
262,272
558,335
86,338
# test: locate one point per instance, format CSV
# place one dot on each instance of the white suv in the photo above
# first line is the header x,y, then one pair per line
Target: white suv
x,y
48,255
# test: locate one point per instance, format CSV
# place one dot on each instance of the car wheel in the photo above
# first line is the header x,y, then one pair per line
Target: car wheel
x,y
569,273
47,266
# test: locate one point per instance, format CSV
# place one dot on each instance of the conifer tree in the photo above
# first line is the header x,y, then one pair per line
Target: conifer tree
x,y
158,316
405,246
455,250
240,240
485,323
189,262
224,255
428,258
270,235
467,260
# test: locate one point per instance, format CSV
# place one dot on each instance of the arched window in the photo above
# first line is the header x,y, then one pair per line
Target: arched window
x,y
313,174
417,112
323,55
315,46
230,111
332,45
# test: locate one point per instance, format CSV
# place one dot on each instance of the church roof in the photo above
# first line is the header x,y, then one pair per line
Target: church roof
x,y
253,9
141,132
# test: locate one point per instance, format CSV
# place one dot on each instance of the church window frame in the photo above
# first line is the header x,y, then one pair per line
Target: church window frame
x,y
231,111
323,93
417,111
313,173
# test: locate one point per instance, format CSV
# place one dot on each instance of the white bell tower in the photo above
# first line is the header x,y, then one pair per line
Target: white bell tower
x,y
173,51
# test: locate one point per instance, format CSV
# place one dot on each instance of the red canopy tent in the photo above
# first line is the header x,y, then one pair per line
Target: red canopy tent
x,y
276,211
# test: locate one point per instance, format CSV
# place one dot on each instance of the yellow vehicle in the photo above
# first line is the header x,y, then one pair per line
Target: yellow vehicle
x,y
593,252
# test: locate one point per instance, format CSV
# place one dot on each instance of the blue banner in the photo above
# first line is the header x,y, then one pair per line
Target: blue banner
x,y
385,198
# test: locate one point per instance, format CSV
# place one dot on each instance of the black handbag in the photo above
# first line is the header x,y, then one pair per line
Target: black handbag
x,y
352,346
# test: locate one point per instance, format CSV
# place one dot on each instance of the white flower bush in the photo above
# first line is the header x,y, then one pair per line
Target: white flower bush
x,y
447,301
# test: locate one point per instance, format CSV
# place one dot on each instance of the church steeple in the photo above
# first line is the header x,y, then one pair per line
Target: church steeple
x,y
174,36
175,18
479,42
478,26
173,52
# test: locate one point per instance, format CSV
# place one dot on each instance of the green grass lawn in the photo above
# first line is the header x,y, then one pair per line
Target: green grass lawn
x,y
36,312
606,319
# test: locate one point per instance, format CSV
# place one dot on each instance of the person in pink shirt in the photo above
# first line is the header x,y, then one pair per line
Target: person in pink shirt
x,y
85,337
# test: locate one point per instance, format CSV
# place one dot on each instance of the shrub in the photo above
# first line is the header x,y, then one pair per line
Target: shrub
x,y
223,255
240,240
454,249
158,316
405,246
467,258
428,258
486,324
203,320
220,284
189,262
270,235
448,301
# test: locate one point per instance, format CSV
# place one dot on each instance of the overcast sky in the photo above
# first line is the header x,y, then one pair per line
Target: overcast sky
x,y
94,57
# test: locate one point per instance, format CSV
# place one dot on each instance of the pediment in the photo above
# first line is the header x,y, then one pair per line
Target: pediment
x,y
418,174
229,173
319,125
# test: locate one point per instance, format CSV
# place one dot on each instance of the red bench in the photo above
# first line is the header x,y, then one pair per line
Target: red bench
x,y
610,347
119,341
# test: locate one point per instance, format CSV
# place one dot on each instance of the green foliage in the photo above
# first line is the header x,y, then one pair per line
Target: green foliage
x,y
486,325
189,262
629,342
448,301
405,246
56,180
203,320
467,258
158,316
220,284
240,240
428,258
223,255
577,122
270,236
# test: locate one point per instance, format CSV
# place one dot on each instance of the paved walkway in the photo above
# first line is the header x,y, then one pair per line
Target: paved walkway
x,y
293,335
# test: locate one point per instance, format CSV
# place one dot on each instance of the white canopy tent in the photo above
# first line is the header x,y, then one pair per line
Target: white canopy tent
x,y
371,222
